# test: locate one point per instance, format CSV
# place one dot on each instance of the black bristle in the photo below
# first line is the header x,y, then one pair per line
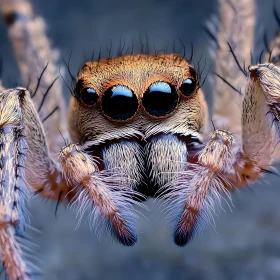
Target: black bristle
x,y
260,56
269,172
184,48
228,83
50,114
46,93
67,64
237,62
37,192
109,51
39,80
57,203
211,36
190,59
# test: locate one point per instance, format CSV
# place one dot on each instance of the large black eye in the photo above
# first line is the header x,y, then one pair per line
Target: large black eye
x,y
119,103
160,99
188,87
89,96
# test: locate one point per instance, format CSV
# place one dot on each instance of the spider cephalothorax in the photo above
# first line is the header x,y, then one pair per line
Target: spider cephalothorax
x,y
138,124
139,109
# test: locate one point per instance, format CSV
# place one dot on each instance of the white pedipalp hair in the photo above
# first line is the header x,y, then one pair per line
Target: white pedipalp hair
x,y
167,157
125,157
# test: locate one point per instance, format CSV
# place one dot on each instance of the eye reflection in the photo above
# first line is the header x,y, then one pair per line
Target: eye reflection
x,y
119,103
160,99
89,96
188,87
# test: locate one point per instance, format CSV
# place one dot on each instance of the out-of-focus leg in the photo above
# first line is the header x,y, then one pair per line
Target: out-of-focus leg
x,y
38,66
236,27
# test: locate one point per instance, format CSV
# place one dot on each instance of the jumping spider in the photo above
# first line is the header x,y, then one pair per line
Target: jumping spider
x,y
140,124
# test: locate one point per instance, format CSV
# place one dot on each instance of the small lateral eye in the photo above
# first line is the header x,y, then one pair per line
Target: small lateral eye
x,y
188,87
89,96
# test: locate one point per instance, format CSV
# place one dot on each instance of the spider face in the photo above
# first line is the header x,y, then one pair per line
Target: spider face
x,y
142,111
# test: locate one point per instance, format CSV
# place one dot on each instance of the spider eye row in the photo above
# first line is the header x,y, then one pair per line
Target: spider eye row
x,y
120,102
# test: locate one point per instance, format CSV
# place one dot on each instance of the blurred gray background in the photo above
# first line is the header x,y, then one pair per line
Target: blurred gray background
x,y
245,243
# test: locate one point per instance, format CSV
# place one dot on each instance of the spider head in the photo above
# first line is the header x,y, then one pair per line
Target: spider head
x,y
139,113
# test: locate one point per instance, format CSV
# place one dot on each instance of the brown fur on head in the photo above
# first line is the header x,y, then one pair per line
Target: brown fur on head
x,y
137,72
88,124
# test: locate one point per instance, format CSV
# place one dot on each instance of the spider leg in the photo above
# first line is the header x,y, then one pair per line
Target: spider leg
x,y
24,161
41,172
38,66
223,165
13,192
194,193
260,123
233,38
105,194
